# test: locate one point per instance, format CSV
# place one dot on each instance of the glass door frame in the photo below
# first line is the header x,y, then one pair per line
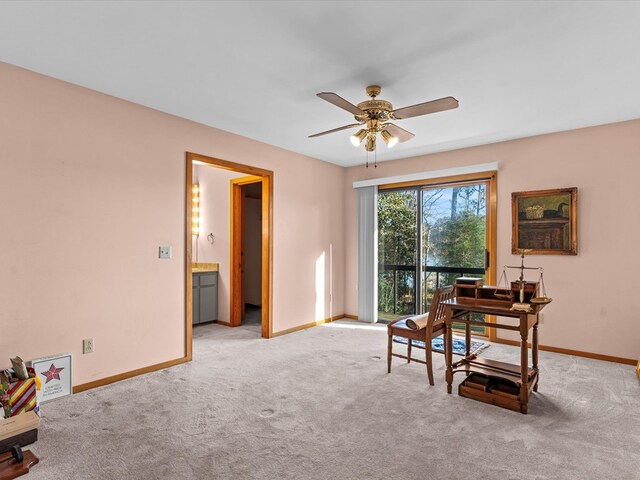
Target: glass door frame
x,y
402,268
490,178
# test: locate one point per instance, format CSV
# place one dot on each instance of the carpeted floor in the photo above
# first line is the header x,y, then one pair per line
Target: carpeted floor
x,y
318,404
252,315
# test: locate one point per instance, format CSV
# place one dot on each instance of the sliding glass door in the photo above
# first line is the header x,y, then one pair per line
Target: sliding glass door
x,y
427,237
453,229
397,253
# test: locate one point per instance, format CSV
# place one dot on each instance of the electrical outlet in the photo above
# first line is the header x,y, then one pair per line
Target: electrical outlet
x,y
87,345
164,252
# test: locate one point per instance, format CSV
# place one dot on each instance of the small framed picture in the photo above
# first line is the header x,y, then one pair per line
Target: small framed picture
x,y
54,373
545,222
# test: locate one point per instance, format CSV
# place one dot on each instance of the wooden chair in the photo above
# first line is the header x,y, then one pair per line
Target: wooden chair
x,y
435,327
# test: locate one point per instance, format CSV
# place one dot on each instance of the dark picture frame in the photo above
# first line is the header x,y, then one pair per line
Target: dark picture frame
x,y
545,222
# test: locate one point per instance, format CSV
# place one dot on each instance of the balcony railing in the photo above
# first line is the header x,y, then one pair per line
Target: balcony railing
x,y
404,284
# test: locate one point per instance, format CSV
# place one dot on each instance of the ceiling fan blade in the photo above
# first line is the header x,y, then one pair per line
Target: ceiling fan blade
x,y
335,130
400,133
446,103
338,101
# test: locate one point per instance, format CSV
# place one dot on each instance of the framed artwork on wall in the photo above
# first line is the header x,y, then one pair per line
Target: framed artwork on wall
x,y
545,222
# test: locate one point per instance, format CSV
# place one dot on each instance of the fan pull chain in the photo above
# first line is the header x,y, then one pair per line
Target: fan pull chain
x,y
375,159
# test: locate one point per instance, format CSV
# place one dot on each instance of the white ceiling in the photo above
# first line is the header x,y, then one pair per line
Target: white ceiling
x,y
253,68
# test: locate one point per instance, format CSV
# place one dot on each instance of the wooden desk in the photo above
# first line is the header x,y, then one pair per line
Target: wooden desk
x,y
525,378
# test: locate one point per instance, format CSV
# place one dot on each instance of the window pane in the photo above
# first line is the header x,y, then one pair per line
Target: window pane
x,y
397,253
453,238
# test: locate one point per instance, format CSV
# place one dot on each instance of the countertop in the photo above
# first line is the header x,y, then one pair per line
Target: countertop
x,y
204,267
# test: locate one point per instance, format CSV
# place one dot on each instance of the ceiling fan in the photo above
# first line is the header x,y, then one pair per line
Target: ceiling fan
x,y
374,116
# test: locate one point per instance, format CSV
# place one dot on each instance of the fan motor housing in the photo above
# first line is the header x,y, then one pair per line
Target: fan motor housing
x,y
375,109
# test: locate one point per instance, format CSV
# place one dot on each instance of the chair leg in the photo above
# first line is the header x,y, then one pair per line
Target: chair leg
x,y
389,347
409,351
429,360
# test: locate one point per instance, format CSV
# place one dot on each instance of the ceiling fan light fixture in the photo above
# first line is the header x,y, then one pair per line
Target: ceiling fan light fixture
x,y
389,139
356,138
375,114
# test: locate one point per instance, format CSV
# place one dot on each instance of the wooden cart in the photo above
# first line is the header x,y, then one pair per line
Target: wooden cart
x,y
506,385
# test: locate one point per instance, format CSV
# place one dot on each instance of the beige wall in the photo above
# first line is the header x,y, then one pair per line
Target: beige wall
x,y
596,306
90,186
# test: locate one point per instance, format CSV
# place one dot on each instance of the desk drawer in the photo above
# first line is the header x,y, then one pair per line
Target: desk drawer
x,y
489,397
496,392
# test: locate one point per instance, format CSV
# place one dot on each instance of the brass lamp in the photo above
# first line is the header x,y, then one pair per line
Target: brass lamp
x,y
370,134
356,138
389,139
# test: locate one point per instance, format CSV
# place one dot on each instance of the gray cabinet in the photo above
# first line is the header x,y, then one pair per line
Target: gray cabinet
x,y
205,297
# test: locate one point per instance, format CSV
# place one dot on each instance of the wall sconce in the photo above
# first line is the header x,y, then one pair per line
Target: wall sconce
x,y
195,209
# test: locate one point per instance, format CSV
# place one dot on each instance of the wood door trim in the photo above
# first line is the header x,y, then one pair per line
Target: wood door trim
x,y
133,373
267,252
567,351
188,294
246,180
492,241
308,325
236,233
469,178
266,177
227,165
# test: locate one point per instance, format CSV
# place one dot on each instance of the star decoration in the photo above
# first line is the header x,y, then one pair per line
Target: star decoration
x,y
52,374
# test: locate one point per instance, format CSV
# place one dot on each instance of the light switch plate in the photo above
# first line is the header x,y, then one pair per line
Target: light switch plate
x,y
164,252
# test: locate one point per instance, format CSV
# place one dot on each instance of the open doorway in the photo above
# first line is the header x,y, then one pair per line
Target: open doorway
x,y
246,250
263,179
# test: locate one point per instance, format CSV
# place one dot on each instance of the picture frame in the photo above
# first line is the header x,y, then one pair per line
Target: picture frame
x,y
545,222
55,375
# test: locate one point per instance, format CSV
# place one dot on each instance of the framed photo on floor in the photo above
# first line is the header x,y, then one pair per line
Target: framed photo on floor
x,y
545,222
54,373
